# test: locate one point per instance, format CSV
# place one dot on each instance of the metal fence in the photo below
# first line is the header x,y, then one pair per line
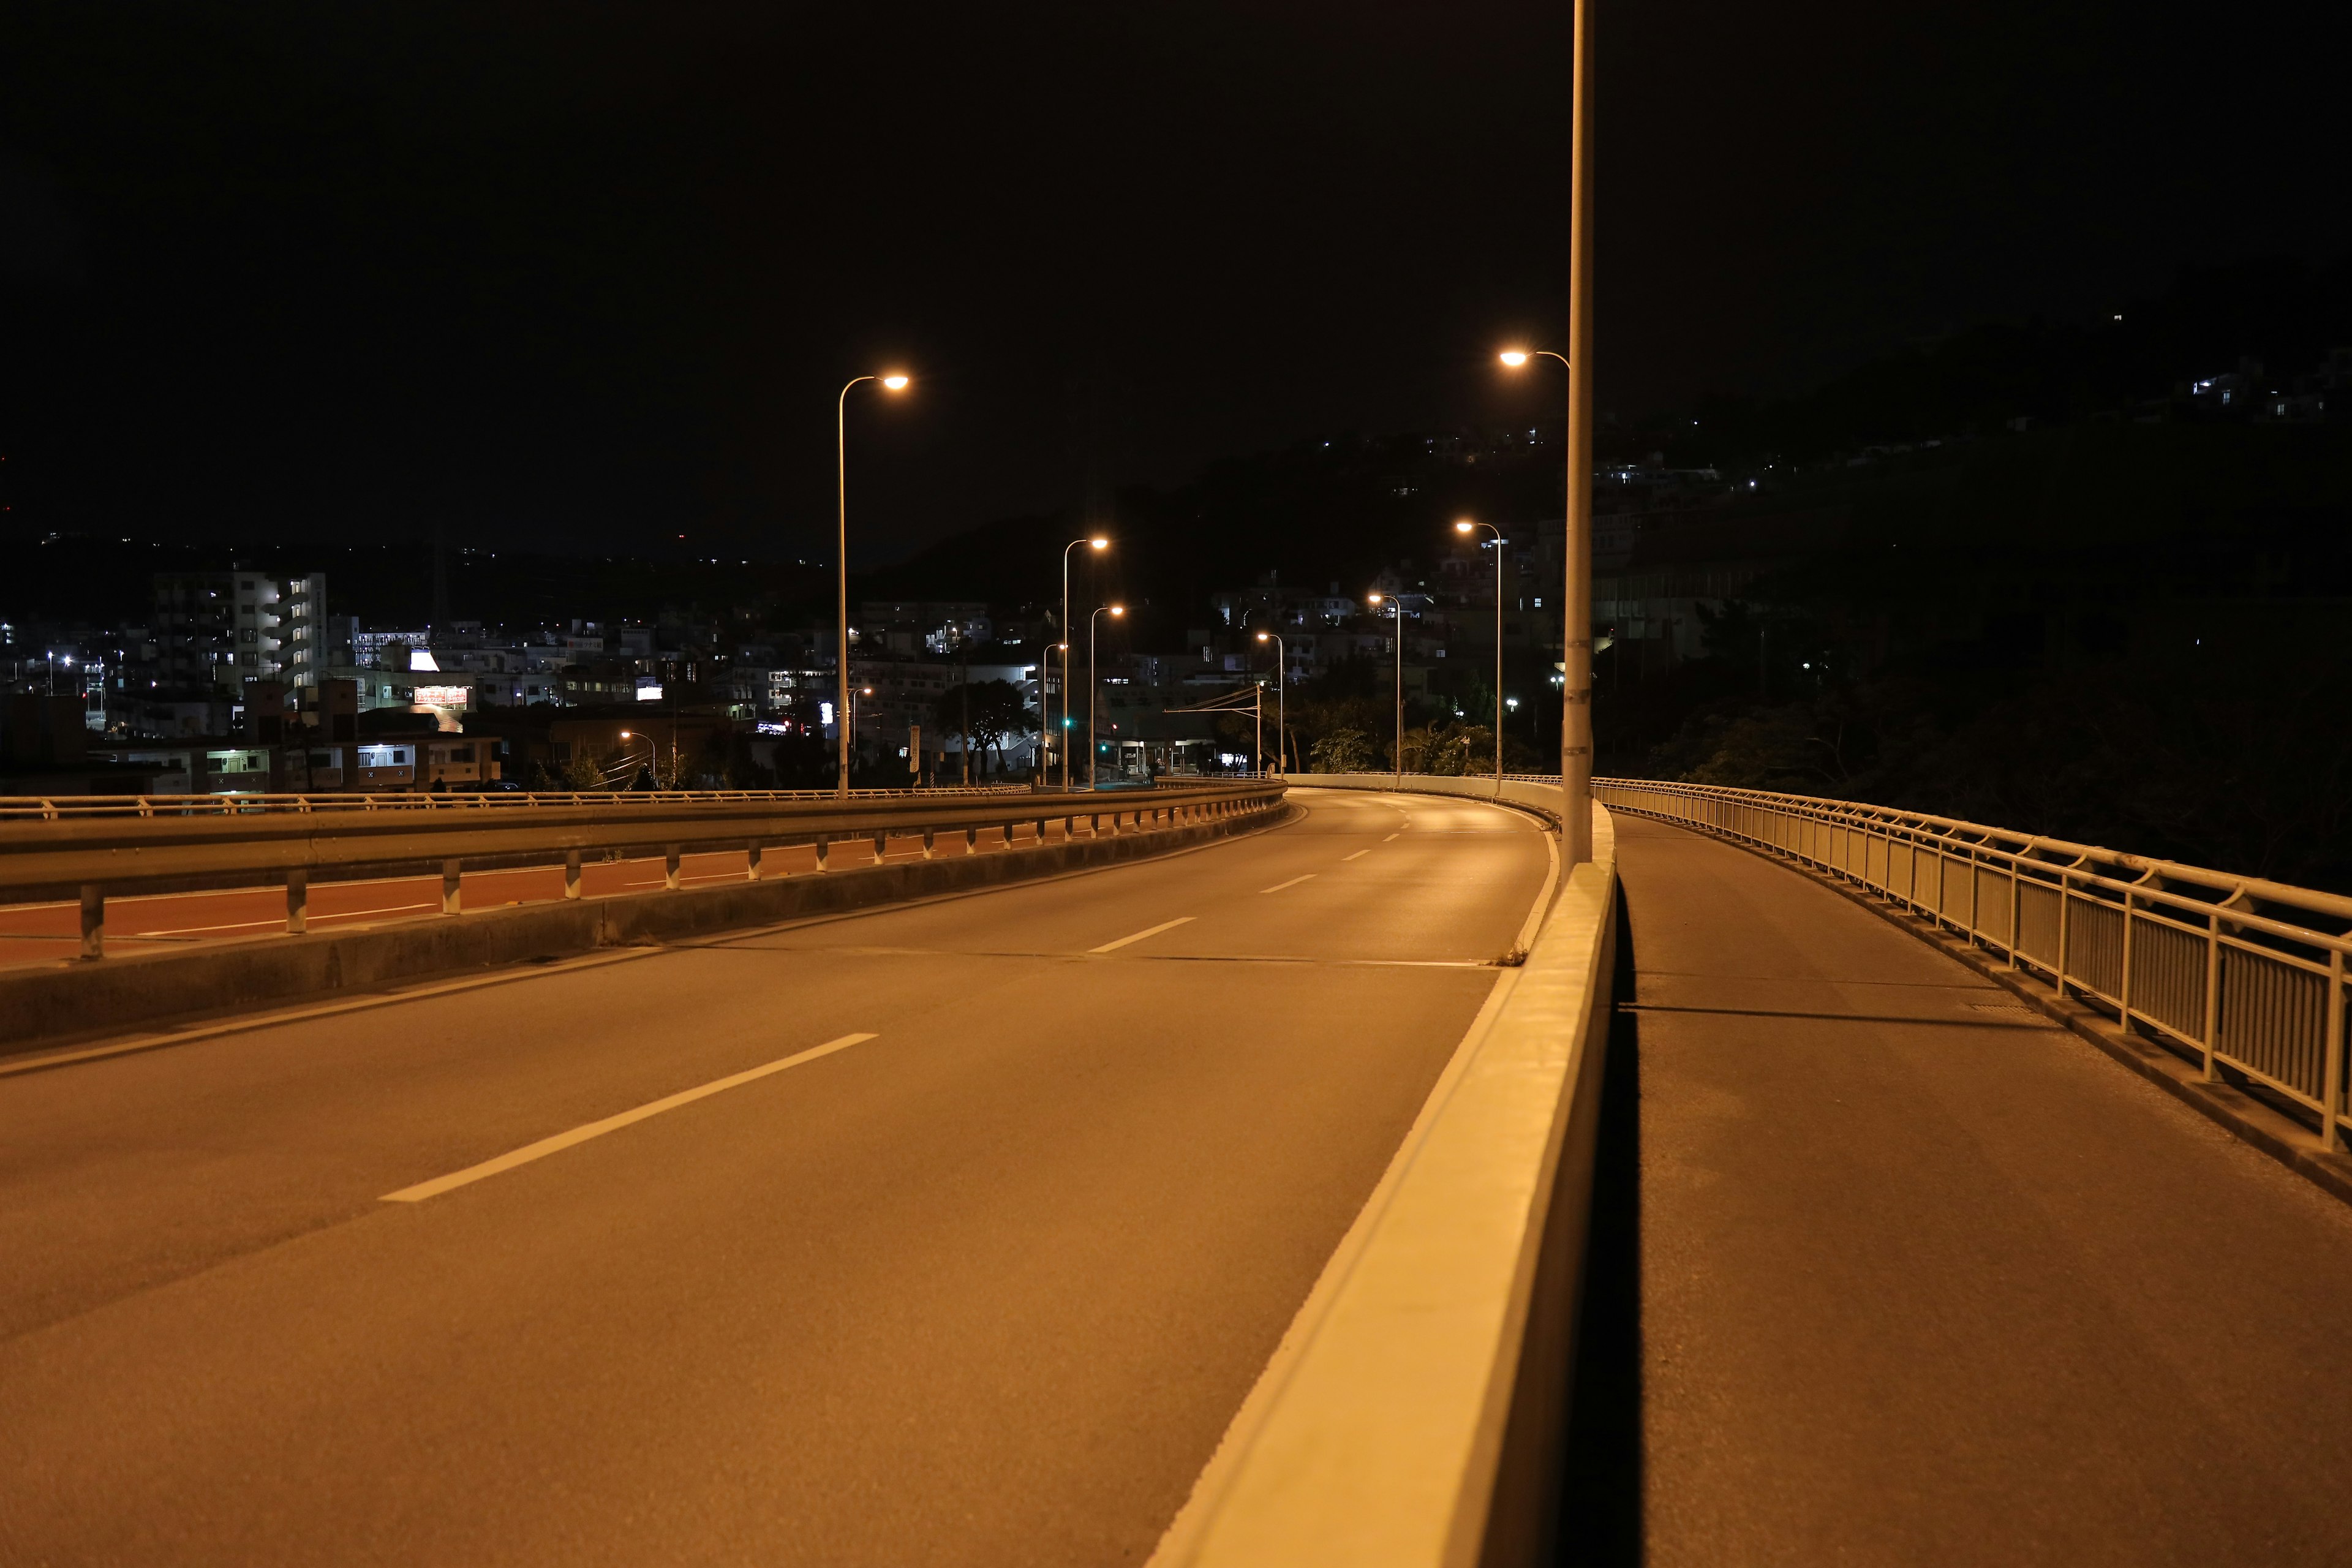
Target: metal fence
x,y
64,807
2235,971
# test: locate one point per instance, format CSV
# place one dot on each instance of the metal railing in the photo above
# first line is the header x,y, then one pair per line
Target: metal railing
x,y
56,809
2233,971
262,841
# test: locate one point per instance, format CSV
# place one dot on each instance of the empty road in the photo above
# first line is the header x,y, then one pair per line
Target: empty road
x,y
949,1232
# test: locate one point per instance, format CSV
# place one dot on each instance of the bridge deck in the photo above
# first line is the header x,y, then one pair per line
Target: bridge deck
x,y
1924,1278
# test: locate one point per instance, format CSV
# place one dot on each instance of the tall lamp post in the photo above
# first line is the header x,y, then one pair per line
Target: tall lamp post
x,y
1576,613
1092,542
1398,758
1281,697
1467,526
894,381
1094,686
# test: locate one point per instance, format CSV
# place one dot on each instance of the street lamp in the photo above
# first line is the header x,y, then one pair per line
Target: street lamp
x,y
1466,526
849,718
1282,697
1576,612
893,382
653,752
1093,687
1398,758
1092,542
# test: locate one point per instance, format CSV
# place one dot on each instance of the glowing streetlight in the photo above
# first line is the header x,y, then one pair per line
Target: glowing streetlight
x,y
1094,686
1092,542
1576,612
1398,759
1466,526
895,381
1282,698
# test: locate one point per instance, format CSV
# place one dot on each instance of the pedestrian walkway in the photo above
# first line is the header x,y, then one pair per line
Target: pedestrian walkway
x,y
1925,1279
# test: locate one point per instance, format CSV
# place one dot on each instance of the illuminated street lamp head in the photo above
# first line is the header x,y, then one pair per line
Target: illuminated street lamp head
x,y
1464,526
896,381
1116,609
1514,357
1372,598
1262,636
1099,543
625,735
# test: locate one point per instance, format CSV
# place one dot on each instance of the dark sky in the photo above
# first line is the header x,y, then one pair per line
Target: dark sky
x,y
591,274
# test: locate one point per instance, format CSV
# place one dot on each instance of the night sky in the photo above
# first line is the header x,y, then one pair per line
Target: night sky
x,y
591,276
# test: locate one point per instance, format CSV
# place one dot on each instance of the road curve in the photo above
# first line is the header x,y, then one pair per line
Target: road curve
x,y
952,1233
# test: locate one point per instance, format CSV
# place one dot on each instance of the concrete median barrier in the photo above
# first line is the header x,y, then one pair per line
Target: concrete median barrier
x,y
1416,1414
45,1005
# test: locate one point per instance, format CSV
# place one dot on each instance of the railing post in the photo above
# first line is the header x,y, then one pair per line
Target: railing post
x,y
571,873
451,902
824,848
751,867
1041,834
669,867
927,842
2124,1002
2332,1090
298,901
971,840
881,846
2059,975
2212,991
93,920
2016,904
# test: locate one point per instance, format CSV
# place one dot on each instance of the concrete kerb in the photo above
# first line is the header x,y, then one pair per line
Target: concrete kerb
x,y
2253,1120
1417,1414
47,1007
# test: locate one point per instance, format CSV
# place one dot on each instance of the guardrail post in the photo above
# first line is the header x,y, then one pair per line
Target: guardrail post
x,y
571,873
2059,975
2212,991
1041,834
93,920
2016,904
669,866
751,861
971,840
881,846
2332,1086
927,842
298,901
824,848
451,902
2123,1002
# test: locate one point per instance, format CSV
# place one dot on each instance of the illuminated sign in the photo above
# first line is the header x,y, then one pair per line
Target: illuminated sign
x,y
445,696
648,693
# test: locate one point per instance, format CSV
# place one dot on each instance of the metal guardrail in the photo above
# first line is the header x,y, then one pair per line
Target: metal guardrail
x,y
62,855
63,807
2235,971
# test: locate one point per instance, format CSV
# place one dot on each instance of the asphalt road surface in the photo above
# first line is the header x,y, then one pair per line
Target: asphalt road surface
x,y
48,933
953,1233
1924,1278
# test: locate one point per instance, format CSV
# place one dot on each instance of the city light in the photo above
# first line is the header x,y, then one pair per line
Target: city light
x,y
1514,357
1099,543
895,383
1464,526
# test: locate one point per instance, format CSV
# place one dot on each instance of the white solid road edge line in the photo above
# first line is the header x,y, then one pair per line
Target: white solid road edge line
x,y
255,1021
1139,936
546,1146
1292,883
